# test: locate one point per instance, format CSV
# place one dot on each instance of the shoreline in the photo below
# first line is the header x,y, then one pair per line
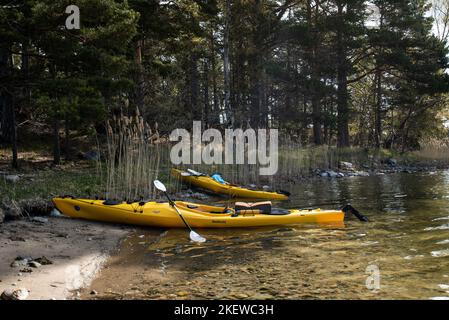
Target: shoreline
x,y
76,250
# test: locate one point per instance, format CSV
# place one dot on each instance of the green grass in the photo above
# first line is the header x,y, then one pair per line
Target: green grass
x,y
46,184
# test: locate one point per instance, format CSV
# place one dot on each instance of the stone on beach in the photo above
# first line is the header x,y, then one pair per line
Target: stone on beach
x,y
15,294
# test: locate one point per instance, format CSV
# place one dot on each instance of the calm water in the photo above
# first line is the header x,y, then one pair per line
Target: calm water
x,y
407,240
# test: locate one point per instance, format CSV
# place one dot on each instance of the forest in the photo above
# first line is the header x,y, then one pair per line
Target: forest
x,y
324,72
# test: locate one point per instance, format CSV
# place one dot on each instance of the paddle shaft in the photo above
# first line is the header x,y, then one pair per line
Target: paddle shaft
x,y
172,203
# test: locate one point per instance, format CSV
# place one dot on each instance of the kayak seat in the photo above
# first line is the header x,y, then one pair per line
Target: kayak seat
x,y
257,207
111,202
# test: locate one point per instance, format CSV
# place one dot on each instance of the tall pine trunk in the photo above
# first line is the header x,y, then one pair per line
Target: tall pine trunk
x,y
56,142
378,110
314,74
194,89
342,84
226,65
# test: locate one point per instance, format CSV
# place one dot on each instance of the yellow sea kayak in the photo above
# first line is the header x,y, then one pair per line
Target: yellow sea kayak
x,y
207,183
198,216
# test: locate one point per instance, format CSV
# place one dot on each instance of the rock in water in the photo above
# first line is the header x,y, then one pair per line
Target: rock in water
x,y
391,162
15,294
346,165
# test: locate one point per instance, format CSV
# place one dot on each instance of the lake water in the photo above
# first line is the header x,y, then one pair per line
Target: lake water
x,y
406,241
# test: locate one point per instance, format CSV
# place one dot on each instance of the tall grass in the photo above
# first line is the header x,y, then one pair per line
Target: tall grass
x,y
433,149
133,158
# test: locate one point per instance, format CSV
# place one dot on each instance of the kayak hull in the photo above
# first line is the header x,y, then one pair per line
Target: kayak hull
x,y
198,216
207,183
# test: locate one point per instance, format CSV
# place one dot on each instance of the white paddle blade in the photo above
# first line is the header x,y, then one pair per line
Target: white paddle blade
x,y
196,237
195,173
159,185
185,174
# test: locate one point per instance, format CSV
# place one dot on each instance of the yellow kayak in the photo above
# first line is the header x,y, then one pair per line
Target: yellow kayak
x,y
161,214
207,183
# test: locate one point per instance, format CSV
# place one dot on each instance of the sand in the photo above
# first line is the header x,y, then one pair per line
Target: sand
x,y
77,248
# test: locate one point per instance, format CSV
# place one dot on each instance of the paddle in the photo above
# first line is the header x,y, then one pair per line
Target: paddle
x,y
193,235
355,212
195,173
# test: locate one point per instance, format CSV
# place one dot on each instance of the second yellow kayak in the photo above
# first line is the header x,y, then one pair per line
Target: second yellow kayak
x,y
209,184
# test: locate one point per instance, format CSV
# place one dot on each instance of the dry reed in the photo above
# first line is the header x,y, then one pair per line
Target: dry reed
x,y
133,159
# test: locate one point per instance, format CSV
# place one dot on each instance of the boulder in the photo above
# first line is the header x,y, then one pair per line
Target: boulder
x,y
15,294
13,178
329,174
362,174
346,165
391,162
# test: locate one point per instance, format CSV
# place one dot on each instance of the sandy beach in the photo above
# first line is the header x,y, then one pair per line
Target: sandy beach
x,y
76,249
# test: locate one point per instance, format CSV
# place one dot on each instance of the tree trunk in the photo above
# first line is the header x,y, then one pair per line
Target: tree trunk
x,y
216,107
314,75
8,125
56,144
342,83
67,138
378,111
226,65
378,94
14,147
194,89
140,79
206,95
